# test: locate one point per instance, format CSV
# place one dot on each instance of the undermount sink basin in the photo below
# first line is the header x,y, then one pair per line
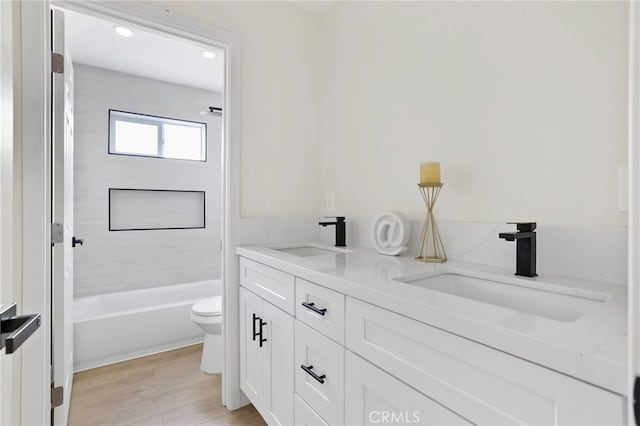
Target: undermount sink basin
x,y
308,251
556,304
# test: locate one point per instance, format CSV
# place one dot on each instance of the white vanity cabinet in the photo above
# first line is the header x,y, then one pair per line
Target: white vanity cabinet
x,y
272,285
477,383
266,358
345,361
319,375
376,397
321,309
305,416
319,351
251,354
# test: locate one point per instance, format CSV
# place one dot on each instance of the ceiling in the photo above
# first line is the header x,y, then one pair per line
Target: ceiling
x,y
93,42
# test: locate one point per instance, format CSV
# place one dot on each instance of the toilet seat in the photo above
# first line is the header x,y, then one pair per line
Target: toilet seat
x,y
209,307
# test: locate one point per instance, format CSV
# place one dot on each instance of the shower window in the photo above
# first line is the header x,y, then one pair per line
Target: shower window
x,y
150,136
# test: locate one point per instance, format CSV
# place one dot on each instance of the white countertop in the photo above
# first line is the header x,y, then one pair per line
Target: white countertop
x,y
592,348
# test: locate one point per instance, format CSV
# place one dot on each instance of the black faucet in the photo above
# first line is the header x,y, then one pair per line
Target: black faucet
x,y
341,230
525,247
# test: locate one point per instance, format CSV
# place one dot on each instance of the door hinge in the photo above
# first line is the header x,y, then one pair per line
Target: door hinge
x,y
57,63
57,233
57,396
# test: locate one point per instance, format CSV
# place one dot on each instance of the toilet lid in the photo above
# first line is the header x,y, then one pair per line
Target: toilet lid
x,y
209,307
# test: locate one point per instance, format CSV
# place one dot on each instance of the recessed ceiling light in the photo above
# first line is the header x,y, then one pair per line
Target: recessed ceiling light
x,y
123,31
209,54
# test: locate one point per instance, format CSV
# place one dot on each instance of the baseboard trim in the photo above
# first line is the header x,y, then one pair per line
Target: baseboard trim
x,y
114,359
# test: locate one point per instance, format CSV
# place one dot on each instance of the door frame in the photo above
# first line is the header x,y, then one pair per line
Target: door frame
x,y
36,100
634,205
32,114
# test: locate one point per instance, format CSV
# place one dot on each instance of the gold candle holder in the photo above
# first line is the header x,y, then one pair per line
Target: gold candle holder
x,y
431,248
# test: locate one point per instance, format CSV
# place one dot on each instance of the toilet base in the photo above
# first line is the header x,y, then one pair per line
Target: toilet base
x,y
212,355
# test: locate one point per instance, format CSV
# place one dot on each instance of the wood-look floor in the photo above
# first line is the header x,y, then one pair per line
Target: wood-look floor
x,y
162,389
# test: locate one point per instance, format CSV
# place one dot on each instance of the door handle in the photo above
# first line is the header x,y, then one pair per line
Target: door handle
x,y
15,330
253,330
262,323
76,242
259,332
309,370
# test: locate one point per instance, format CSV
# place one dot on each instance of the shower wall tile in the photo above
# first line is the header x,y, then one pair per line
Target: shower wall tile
x,y
128,260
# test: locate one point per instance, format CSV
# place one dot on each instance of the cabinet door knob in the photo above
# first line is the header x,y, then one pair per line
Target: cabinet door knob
x,y
309,370
312,306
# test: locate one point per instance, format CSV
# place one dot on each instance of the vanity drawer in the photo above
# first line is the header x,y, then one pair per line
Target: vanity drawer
x,y
305,416
324,359
321,309
483,385
273,285
375,397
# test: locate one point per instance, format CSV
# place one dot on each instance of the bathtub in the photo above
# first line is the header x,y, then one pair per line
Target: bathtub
x,y
119,326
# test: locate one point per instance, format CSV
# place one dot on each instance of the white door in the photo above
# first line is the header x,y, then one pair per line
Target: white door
x,y
9,364
278,366
7,386
62,212
251,354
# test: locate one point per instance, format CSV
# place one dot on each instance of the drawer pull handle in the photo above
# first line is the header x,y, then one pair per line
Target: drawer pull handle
x,y
312,306
309,371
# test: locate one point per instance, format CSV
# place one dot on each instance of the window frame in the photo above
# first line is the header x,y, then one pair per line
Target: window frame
x,y
152,120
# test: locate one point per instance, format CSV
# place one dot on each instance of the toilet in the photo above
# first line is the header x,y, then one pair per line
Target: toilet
x,y
207,314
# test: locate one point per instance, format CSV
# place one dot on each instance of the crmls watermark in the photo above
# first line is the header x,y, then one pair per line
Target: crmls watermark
x,y
394,417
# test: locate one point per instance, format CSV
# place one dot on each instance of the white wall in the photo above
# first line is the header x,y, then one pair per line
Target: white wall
x,y
593,253
127,260
278,100
523,103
